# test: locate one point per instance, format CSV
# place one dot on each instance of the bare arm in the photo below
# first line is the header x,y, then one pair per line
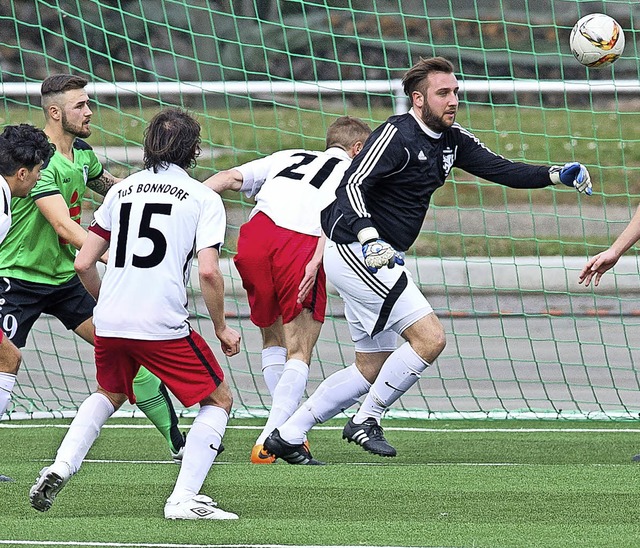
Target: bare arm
x,y
56,211
102,184
311,270
212,287
230,179
86,262
600,263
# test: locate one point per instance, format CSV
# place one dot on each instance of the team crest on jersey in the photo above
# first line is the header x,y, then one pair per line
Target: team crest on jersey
x,y
448,157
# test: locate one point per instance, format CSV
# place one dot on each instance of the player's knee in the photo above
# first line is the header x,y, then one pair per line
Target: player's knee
x,y
116,399
439,342
220,397
431,345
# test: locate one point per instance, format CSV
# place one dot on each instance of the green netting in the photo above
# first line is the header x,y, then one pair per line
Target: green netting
x,y
499,266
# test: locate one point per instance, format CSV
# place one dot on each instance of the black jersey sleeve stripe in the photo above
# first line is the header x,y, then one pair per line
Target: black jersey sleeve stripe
x,y
366,166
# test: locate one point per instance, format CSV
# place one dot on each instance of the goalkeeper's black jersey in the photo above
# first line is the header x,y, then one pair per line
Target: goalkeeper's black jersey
x,y
390,183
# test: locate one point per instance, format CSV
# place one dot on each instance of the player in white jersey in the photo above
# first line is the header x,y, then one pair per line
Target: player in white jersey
x,y
280,258
24,149
152,223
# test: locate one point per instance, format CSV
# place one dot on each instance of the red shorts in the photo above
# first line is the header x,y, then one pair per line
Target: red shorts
x,y
271,261
187,366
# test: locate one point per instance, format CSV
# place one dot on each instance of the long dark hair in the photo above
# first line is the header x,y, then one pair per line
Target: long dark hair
x,y
172,137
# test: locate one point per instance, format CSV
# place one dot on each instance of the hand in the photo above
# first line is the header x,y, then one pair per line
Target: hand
x,y
310,272
572,174
229,340
597,266
378,253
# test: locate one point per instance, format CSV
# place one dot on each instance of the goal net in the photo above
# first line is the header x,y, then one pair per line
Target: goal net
x,y
499,266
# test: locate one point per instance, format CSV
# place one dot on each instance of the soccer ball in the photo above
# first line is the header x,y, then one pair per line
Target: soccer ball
x,y
596,40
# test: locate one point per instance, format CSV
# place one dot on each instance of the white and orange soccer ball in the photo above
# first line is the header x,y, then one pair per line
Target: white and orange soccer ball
x,y
597,40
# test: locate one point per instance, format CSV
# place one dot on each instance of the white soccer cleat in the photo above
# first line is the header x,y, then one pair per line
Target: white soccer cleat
x,y
199,507
177,455
49,483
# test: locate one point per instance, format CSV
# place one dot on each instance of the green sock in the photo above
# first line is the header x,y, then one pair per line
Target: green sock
x,y
153,400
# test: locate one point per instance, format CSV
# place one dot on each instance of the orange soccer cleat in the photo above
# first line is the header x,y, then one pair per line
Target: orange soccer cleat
x,y
260,456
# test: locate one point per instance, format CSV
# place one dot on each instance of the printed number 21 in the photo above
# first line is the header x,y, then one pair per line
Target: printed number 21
x,y
145,231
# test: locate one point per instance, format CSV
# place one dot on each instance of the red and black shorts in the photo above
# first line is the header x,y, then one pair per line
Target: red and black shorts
x,y
187,366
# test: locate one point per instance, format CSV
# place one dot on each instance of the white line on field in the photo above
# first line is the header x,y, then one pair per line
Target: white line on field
x,y
514,430
163,545
431,464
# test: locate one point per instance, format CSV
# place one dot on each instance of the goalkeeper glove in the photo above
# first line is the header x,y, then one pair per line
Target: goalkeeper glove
x,y
572,174
377,253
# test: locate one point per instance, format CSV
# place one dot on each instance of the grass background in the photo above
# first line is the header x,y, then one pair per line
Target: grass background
x,y
454,483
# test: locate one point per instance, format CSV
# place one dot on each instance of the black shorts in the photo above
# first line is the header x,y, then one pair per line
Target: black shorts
x,y
22,303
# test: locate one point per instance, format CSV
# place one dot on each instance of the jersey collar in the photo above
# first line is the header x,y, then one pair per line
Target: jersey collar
x,y
337,151
424,127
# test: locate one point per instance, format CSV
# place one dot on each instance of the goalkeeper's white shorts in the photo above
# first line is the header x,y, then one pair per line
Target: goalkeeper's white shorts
x,y
377,306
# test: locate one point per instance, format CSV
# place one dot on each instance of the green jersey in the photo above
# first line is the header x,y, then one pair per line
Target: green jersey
x,y
32,250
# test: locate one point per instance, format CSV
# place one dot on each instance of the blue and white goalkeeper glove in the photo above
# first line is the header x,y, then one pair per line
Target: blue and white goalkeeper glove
x,y
572,174
377,253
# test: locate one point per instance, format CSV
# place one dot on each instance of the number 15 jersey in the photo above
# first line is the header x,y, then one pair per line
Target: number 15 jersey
x,y
155,223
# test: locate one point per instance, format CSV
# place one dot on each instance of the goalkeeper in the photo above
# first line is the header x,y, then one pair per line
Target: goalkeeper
x,y
378,213
36,258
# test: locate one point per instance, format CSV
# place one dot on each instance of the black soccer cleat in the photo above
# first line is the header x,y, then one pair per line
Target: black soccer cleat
x,y
5,478
370,436
293,454
636,458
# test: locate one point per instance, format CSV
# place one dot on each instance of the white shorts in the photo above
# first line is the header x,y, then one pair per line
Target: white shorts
x,y
377,306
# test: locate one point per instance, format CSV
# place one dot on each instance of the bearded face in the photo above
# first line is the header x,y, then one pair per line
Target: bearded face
x,y
439,104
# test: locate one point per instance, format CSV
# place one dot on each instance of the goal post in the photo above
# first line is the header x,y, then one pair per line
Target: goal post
x,y
499,266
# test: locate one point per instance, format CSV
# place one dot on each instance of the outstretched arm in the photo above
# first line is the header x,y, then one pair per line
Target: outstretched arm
x,y
229,179
476,158
598,265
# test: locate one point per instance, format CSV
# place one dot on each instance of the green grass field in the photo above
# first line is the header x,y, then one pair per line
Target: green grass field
x,y
454,483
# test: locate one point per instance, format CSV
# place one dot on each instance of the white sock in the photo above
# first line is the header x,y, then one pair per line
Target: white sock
x,y
336,393
7,382
84,430
200,450
273,360
400,371
286,396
